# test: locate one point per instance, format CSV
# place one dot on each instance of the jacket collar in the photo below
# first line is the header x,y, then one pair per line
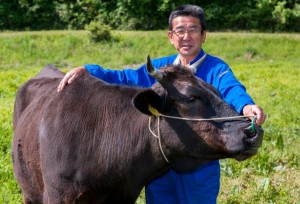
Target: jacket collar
x,y
196,63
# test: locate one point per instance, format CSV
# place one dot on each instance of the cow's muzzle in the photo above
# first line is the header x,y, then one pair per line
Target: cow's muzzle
x,y
252,142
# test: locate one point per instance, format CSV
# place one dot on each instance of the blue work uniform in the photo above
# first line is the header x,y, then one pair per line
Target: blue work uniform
x,y
201,185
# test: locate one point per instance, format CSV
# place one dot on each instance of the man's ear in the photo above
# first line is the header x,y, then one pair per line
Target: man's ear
x,y
170,36
144,99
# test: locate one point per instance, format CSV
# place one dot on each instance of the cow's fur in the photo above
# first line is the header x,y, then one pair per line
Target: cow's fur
x,y
91,142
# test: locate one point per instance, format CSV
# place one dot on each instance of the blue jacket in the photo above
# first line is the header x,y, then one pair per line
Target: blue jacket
x,y
213,70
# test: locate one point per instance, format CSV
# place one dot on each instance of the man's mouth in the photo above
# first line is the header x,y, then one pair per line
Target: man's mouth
x,y
185,46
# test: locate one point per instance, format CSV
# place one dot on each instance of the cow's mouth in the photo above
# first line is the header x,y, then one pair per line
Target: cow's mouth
x,y
249,145
246,154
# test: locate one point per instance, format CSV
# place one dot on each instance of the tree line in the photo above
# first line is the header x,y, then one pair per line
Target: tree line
x,y
260,15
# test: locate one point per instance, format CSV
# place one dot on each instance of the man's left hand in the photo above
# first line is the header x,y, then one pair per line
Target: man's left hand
x,y
250,110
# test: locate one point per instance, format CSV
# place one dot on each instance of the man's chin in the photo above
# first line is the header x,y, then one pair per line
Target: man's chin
x,y
187,53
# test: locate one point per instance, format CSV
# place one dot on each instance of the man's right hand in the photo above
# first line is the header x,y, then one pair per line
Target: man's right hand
x,y
71,76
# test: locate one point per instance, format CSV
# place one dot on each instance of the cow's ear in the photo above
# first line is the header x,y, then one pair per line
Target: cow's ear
x,y
147,98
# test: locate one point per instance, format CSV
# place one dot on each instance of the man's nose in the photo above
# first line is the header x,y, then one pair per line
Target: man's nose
x,y
186,35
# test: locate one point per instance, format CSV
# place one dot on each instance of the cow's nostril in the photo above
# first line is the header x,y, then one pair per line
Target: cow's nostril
x,y
250,132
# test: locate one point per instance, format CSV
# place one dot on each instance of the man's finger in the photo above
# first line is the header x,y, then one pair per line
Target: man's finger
x,y
261,116
72,78
63,82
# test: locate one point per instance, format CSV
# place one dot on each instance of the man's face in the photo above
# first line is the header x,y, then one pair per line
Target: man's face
x,y
186,36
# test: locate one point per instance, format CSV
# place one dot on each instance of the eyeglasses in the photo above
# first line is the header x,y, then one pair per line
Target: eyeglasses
x,y
180,32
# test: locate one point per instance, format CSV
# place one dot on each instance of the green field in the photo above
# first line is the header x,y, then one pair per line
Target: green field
x,y
268,64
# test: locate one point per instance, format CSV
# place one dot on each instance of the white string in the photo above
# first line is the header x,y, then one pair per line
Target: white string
x,y
158,137
189,119
205,119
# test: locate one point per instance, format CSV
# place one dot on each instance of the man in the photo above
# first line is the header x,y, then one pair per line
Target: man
x,y
187,32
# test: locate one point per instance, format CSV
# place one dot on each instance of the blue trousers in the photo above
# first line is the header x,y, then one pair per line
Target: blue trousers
x,y
200,186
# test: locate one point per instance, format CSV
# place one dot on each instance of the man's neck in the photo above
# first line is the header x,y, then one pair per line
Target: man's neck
x,y
185,61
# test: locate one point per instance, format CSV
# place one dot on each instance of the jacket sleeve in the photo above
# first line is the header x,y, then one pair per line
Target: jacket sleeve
x,y
132,77
128,76
232,91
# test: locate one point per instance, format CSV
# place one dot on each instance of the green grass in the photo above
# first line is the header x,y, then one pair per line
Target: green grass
x,y
268,64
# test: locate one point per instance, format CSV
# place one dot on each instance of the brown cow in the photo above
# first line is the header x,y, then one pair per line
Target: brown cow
x,y
92,142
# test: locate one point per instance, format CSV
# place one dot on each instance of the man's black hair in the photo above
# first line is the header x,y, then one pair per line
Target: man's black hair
x,y
188,10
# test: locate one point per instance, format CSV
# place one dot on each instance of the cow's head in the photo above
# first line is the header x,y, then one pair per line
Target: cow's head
x,y
187,143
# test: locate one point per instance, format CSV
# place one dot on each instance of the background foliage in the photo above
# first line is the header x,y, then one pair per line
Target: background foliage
x,y
262,15
268,64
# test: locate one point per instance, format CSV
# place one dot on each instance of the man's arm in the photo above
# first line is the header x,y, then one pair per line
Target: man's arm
x,y
234,93
134,77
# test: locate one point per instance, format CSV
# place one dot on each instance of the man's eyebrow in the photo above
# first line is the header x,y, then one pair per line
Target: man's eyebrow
x,y
183,27
179,27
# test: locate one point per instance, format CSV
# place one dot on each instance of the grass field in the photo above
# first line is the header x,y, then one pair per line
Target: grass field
x,y
268,64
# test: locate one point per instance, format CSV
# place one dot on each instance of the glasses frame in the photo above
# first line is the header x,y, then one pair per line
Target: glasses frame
x,y
193,31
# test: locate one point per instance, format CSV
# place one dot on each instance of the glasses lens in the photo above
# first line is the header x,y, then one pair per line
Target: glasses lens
x,y
191,31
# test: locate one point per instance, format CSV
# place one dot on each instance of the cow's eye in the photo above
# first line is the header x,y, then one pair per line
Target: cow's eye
x,y
191,99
